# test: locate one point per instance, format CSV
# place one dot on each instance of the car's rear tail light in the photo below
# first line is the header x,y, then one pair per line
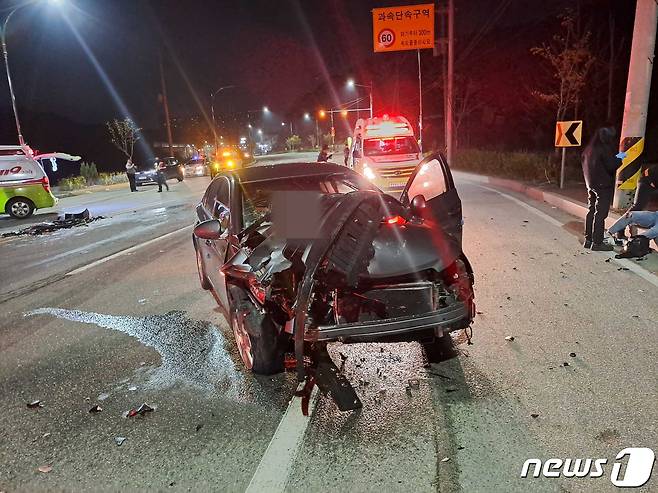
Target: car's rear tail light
x,y
46,183
396,220
257,290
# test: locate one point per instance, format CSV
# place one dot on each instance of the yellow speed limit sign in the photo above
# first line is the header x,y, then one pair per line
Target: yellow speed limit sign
x,y
409,27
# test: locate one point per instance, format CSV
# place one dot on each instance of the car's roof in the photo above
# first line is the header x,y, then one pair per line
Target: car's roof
x,y
288,170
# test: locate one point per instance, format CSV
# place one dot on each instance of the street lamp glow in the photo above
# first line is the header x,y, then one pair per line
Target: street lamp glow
x,y
350,83
248,125
322,113
283,124
307,116
266,109
260,132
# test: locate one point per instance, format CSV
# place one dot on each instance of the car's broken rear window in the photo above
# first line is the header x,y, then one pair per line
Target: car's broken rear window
x,y
257,196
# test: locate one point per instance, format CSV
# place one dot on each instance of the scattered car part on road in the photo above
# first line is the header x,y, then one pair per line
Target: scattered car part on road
x,y
119,440
140,411
67,221
35,404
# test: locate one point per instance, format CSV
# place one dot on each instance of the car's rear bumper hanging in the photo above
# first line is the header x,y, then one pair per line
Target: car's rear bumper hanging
x,y
447,317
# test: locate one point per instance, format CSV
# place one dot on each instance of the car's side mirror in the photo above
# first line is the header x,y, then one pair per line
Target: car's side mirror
x,y
209,230
418,205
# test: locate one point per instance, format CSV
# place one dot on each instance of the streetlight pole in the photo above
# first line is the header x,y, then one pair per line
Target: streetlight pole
x,y
212,110
351,83
21,141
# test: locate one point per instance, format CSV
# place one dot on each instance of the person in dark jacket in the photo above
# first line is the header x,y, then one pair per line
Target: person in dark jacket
x,y
162,178
599,168
324,155
130,171
646,186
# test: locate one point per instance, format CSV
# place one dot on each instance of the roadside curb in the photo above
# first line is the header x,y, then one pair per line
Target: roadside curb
x,y
575,208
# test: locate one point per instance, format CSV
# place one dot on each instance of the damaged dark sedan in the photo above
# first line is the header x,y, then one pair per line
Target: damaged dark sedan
x,y
301,254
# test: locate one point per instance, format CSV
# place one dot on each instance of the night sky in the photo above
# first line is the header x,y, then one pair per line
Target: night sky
x,y
286,54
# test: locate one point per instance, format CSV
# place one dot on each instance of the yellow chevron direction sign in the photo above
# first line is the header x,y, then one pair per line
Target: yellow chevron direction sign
x,y
568,134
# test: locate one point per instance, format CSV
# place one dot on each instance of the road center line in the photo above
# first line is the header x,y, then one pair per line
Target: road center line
x,y
275,466
125,251
648,276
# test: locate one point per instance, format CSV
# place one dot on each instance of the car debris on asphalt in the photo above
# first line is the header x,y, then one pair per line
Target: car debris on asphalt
x,y
96,409
67,221
119,440
45,469
35,404
140,411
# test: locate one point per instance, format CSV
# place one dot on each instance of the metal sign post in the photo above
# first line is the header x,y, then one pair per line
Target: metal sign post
x,y
567,134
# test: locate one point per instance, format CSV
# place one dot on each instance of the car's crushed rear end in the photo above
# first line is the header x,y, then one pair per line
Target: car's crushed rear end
x,y
369,275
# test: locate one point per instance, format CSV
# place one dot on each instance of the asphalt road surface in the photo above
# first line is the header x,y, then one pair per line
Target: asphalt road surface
x,y
129,324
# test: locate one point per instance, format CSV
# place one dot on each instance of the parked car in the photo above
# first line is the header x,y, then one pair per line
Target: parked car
x,y
196,167
301,254
174,171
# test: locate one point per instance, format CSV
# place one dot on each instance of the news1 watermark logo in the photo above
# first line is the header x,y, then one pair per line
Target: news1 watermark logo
x,y
639,465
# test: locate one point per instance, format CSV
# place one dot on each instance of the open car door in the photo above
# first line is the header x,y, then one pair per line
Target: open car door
x,y
433,181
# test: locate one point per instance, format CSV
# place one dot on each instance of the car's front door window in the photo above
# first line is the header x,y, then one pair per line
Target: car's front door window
x,y
430,181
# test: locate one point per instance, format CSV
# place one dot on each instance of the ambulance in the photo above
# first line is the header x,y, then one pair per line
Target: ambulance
x,y
24,185
385,151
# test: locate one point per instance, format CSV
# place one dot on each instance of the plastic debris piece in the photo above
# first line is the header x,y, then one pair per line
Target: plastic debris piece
x,y
565,364
119,440
45,435
460,448
35,404
509,338
45,469
142,301
141,410
608,260
573,355
132,388
534,415
96,409
414,383
445,459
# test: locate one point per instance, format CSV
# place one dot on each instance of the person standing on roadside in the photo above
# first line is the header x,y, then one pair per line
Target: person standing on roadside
x,y
130,171
599,169
162,178
346,154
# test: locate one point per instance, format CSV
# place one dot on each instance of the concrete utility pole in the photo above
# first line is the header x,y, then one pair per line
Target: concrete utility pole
x,y
637,100
165,103
449,100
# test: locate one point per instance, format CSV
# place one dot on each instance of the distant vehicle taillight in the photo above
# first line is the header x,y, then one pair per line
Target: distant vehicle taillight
x,y
46,184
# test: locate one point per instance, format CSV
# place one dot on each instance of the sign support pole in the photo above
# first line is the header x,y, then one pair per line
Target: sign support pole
x,y
562,167
420,105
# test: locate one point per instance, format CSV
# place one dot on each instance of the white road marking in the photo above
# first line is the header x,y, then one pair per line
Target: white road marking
x,y
532,209
648,276
124,252
275,466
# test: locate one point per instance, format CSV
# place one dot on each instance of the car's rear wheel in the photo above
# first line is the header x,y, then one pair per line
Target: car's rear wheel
x,y
20,208
201,270
256,336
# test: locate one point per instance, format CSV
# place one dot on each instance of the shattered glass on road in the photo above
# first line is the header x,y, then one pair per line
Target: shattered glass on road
x,y
193,352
